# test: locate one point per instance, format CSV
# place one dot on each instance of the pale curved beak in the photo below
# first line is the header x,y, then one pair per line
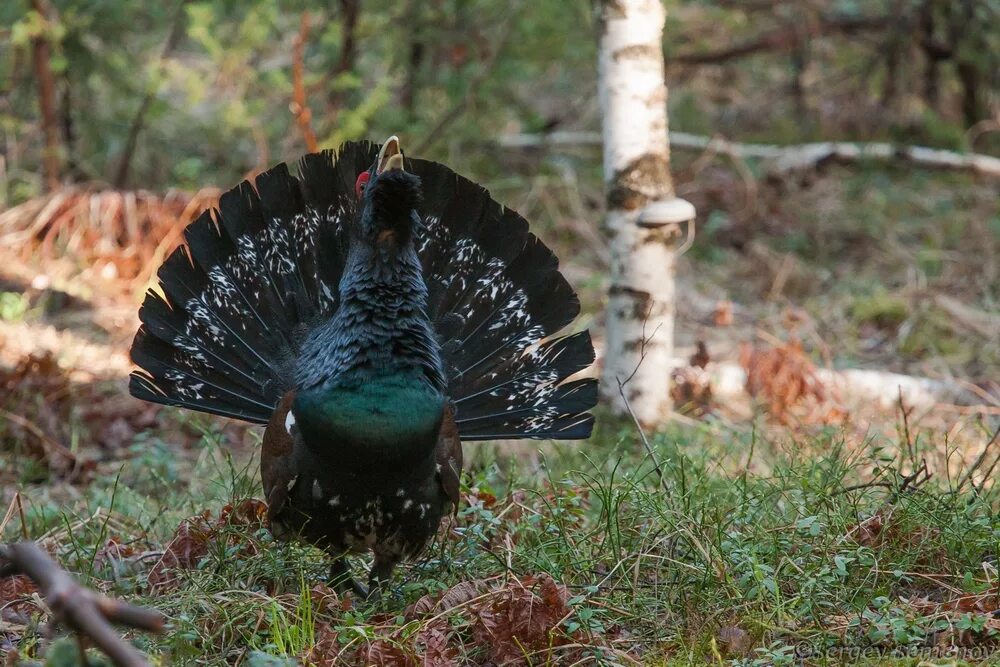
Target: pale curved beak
x,y
390,156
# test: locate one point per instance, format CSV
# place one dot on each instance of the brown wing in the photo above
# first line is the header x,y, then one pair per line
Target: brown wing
x,y
448,456
276,462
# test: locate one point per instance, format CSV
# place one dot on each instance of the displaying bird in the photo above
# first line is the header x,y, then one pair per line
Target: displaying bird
x,y
373,313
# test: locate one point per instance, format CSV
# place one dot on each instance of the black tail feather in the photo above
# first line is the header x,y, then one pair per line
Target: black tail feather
x,y
224,333
265,266
495,291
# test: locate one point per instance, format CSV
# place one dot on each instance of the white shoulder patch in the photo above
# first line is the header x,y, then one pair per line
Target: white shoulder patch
x,y
289,422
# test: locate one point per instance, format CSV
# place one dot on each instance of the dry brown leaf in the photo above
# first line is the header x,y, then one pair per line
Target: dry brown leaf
x,y
15,598
120,233
518,623
195,535
734,640
451,598
784,379
723,315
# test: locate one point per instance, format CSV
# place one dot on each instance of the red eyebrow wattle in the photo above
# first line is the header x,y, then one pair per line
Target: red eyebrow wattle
x,y
360,183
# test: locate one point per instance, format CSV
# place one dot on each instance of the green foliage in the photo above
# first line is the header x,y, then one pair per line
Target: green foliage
x,y
13,306
445,75
291,632
65,652
801,558
881,309
220,98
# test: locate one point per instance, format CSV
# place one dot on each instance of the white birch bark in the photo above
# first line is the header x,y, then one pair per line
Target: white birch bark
x,y
640,327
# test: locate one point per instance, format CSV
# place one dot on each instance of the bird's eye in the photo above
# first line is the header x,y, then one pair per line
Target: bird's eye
x,y
359,185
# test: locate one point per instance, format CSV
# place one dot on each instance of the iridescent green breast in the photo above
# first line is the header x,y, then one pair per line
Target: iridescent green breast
x,y
386,410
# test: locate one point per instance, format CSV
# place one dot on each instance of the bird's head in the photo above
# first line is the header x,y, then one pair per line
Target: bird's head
x,y
389,197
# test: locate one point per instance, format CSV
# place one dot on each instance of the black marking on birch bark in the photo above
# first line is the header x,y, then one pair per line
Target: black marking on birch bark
x,y
648,52
644,179
641,300
610,7
667,234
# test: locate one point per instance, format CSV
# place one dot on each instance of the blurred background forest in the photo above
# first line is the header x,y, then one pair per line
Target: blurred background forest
x,y
188,93
171,99
121,121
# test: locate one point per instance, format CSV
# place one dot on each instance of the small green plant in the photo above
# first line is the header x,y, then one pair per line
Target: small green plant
x,y
13,306
291,632
881,309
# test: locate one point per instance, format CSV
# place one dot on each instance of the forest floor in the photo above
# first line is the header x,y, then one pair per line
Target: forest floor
x,y
797,525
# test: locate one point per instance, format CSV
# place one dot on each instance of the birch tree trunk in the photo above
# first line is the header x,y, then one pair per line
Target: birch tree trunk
x,y
633,95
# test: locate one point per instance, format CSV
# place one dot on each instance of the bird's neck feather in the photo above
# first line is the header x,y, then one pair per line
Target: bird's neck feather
x,y
381,325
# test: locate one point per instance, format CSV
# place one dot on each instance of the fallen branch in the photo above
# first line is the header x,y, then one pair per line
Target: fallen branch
x,y
88,613
787,159
878,388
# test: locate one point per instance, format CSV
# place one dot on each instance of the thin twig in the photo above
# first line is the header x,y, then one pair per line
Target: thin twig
x,y
88,613
978,462
50,445
642,435
905,482
906,425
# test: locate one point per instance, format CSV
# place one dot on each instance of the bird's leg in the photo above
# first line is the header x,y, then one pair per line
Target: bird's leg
x,y
381,574
342,581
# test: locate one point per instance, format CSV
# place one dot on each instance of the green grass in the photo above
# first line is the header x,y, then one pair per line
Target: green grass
x,y
773,540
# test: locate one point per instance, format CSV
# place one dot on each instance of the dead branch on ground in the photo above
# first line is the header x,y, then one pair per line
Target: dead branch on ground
x,y
86,612
789,159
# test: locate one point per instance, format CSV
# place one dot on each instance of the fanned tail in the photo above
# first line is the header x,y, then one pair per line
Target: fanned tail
x,y
254,276
496,297
258,273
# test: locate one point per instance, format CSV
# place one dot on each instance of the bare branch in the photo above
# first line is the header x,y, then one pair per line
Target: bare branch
x,y
788,159
979,462
785,39
132,139
628,406
86,612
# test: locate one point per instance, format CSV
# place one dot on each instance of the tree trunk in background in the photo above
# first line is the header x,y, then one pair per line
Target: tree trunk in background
x,y
177,28
640,326
42,54
350,11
